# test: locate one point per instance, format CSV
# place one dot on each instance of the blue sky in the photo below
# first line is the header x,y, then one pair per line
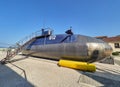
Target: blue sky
x,y
19,18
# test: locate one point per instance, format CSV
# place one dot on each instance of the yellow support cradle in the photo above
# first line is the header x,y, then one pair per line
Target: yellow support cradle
x,y
84,66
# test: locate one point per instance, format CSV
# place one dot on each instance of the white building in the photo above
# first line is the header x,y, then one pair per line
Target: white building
x,y
114,42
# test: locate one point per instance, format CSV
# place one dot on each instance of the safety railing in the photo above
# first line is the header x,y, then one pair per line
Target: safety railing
x,y
15,49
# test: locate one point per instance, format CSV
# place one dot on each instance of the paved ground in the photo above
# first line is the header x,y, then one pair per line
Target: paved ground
x,y
117,60
36,72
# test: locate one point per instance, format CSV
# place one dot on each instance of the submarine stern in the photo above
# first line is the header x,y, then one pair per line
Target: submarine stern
x,y
99,51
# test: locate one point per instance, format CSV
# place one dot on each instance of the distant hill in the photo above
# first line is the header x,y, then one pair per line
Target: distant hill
x,y
118,35
2,47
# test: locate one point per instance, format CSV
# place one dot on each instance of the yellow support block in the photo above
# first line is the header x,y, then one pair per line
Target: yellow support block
x,y
84,66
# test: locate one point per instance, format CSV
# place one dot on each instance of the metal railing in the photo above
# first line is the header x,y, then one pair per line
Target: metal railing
x,y
16,48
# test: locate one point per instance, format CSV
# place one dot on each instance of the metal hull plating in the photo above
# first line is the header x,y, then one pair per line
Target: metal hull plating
x,y
83,49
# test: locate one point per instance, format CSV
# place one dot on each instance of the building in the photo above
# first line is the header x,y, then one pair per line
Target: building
x,y
113,41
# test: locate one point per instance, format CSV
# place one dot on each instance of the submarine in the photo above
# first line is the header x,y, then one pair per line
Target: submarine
x,y
67,46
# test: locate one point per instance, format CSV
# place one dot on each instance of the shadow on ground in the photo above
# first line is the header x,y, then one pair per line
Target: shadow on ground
x,y
101,79
10,78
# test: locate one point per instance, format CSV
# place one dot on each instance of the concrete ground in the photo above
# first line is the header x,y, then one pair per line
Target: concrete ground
x,y
36,72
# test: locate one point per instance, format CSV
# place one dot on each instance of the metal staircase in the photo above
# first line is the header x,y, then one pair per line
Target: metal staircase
x,y
12,51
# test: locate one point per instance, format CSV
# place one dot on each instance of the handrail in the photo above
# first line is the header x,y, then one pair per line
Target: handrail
x,y
16,48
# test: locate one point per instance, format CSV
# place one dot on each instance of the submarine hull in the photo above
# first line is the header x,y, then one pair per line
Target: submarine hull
x,y
74,51
82,48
